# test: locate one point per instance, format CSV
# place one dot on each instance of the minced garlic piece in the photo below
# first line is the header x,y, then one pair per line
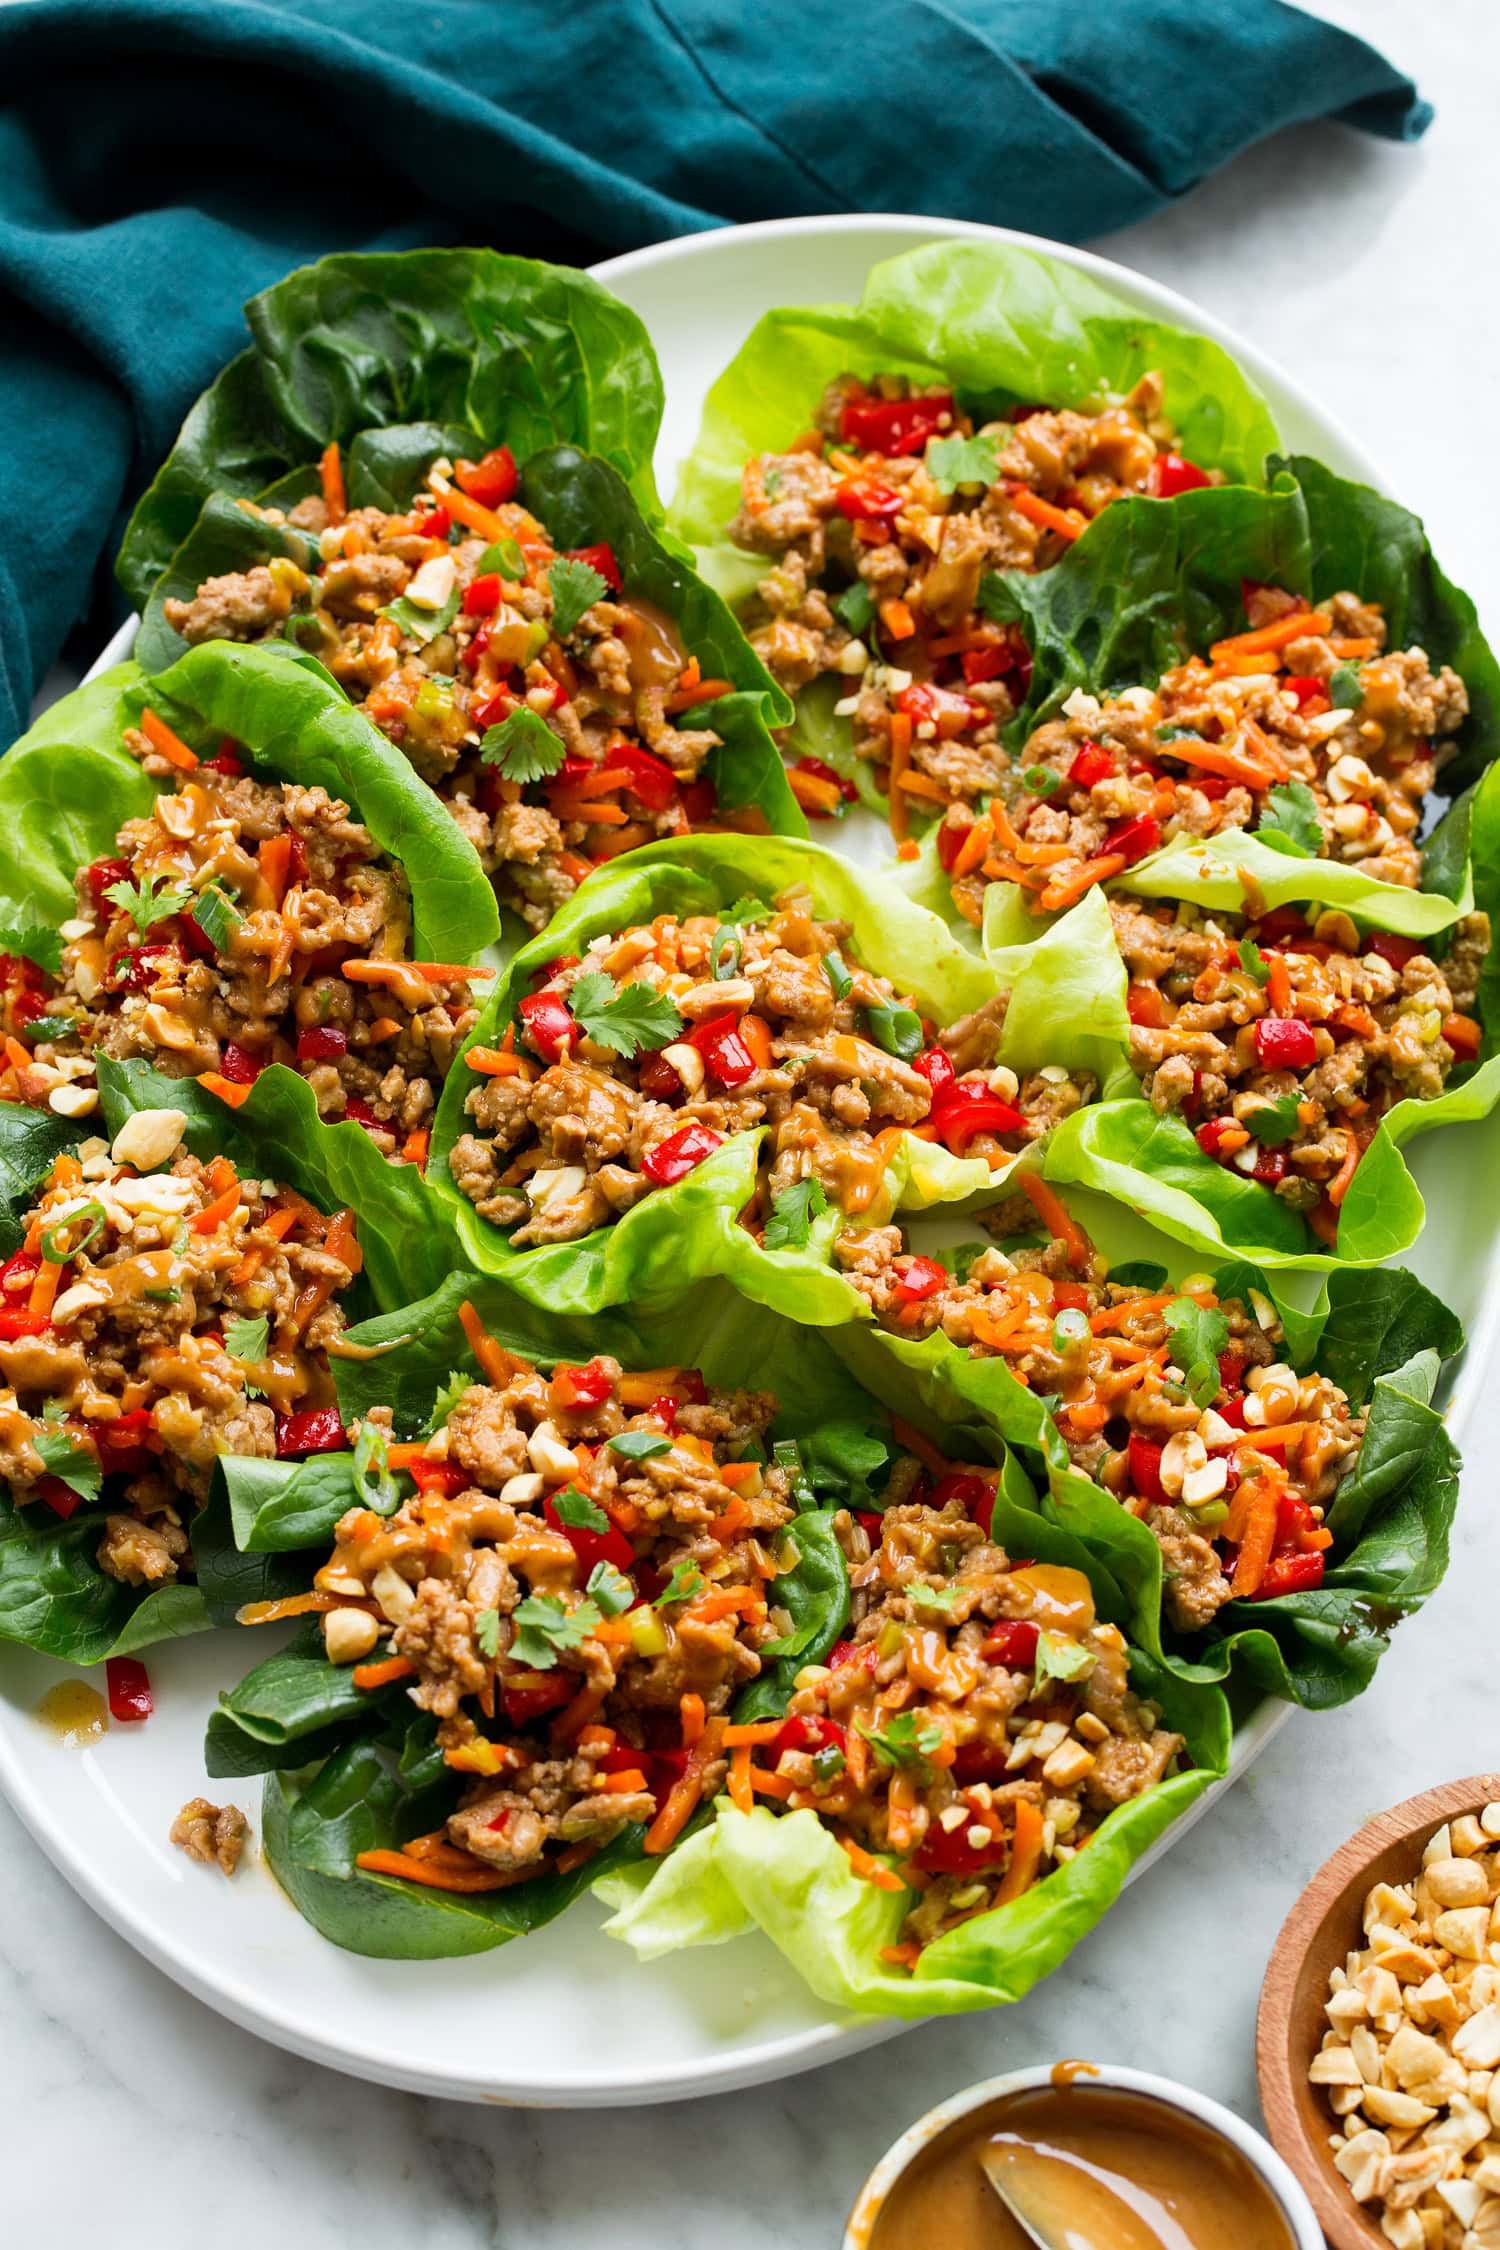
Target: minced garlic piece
x,y
1410,2062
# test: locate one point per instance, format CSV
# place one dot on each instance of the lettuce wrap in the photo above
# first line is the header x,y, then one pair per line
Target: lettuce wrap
x,y
1066,1007
380,1779
1005,325
788,1876
496,349
1381,1336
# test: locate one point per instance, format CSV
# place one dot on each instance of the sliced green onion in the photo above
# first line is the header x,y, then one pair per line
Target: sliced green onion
x,y
1070,1327
837,975
52,1249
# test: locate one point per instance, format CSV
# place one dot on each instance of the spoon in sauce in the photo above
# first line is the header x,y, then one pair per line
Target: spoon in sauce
x,y
1061,2201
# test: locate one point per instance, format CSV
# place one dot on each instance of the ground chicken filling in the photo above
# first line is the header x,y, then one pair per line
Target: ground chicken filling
x,y
154,1320
978,1722
540,701
584,1580
244,923
884,522
1303,726
1173,1402
1283,1045
629,1067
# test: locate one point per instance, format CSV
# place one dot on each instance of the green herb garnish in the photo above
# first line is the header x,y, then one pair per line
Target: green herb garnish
x,y
35,943
954,462
146,904
545,1630
629,1019
575,586
639,1445
792,1214
1199,1333
522,747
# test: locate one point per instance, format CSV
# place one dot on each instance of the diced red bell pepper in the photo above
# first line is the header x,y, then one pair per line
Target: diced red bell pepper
x,y
810,1732
136,967
1283,928
700,801
524,1705
1296,1525
723,1050
1145,1468
548,1024
870,1524
494,707
592,1547
238,1064
935,1064
652,782
60,1497
227,762
1210,1133
482,595
360,1113
443,1477
129,1689
321,1042
949,1852
1282,1043
1134,837
967,1108
16,1321
1397,950
950,840
1290,1574
602,559
1233,1412
894,425
1069,1296
917,1279
870,502
320,1430
490,481
435,524
844,1653
943,708
19,1272
1231,1368
974,1494
659,1082
1012,1643
591,1384
1270,1167
121,1444
988,663
672,1160
1172,474
1145,1005
1092,764
98,878
1304,687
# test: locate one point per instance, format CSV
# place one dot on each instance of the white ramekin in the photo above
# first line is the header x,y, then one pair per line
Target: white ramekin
x,y
1257,2151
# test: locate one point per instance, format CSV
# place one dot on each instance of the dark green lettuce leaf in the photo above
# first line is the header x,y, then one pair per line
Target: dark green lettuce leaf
x,y
54,1597
31,1140
66,790
508,349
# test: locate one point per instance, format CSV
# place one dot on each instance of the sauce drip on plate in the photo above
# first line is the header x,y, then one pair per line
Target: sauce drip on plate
x,y
74,1711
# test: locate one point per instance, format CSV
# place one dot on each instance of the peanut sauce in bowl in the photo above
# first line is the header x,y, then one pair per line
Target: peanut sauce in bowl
x,y
1092,2159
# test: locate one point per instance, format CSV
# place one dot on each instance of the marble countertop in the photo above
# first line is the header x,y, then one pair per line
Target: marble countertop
x,y
133,2112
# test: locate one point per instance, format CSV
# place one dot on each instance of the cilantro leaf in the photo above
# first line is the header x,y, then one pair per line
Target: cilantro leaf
x,y
65,1457
42,1028
447,1398
545,1630
578,1511
792,1214
487,1631
856,607
938,1599
686,1581
372,1453
629,1019
575,587
902,1742
1273,1122
35,942
522,747
744,911
1253,961
145,903
1173,733
1057,1659
1290,821
639,1445
1345,688
611,1589
422,625
217,916
956,461
1199,1333
247,1339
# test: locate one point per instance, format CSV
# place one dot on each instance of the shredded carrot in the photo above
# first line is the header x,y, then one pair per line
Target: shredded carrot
x,y
921,785
1232,764
647,1384
755,1032
912,1441
1258,1537
901,731
812,792
897,620
724,1601
19,1057
293,1605
692,1718
473,515
686,1791
1463,1035
1339,1185
274,859
1066,522
1064,890
497,1363
167,744
908,848
1266,639
625,1783
331,477
431,972
863,1864
973,848
1025,1853
228,1090
213,1215
1278,985
414,1147
741,1795
768,1784
440,1878
701,691
901,1956
276,1225
1053,1214
495,1062
692,671
765,1730
44,1288
381,1675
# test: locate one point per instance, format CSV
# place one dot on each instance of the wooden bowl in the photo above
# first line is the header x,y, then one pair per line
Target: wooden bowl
x,y
1322,1927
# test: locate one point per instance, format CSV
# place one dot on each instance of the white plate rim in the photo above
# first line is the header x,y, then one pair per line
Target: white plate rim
x,y
747,2064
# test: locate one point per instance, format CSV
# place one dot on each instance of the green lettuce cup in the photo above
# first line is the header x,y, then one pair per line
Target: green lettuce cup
x,y
498,349
1056,1007
1378,1340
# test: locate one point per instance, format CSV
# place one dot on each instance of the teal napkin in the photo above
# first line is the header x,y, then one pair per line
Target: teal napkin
x,y
160,160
